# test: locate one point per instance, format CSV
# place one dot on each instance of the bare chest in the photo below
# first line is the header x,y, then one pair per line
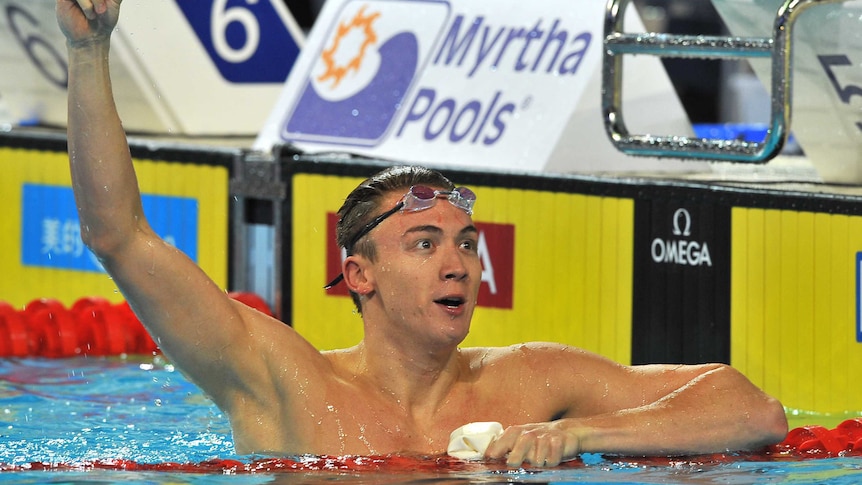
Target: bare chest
x,y
328,415
351,422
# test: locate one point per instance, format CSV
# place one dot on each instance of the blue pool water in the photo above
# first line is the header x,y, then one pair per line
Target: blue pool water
x,y
73,419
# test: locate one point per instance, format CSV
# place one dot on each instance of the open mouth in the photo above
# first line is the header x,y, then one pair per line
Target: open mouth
x,y
451,302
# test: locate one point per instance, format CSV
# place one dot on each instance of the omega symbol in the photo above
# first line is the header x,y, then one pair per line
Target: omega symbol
x,y
681,213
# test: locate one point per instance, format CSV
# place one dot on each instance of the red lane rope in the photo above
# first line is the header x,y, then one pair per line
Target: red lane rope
x,y
807,442
91,326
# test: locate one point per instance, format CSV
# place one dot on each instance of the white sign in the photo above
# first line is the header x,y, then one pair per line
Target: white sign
x,y
184,67
502,84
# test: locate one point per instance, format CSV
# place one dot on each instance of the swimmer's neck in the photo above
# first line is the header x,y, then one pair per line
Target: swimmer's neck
x,y
415,380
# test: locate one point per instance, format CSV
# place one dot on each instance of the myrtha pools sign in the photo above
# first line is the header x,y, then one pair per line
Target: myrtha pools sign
x,y
473,83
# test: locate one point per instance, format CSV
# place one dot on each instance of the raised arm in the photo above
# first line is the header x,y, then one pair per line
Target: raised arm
x,y
640,410
194,322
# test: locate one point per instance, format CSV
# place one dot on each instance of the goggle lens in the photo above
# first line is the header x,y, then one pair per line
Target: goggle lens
x,y
421,197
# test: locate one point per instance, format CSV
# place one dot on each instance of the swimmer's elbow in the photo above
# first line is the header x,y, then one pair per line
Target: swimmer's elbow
x,y
104,244
765,419
774,421
766,425
108,240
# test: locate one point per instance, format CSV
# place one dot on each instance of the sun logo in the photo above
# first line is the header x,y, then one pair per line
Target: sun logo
x,y
361,25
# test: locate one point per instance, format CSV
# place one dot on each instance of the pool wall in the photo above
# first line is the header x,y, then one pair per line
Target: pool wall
x,y
640,270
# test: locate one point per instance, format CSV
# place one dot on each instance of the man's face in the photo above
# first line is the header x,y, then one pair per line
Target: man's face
x,y
427,271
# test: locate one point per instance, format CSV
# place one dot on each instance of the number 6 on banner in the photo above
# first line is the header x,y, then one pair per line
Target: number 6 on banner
x,y
243,37
222,19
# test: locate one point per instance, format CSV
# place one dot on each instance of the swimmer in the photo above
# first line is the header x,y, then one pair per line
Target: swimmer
x,y
414,273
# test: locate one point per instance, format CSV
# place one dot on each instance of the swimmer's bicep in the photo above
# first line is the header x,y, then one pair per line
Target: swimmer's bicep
x,y
181,307
584,383
645,385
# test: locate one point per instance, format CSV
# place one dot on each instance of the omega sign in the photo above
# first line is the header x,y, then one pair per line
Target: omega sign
x,y
680,249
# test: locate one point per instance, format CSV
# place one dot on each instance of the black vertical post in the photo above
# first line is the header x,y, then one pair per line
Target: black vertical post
x,y
681,294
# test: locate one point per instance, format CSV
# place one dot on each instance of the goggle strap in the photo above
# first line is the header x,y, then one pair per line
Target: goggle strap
x,y
365,230
334,281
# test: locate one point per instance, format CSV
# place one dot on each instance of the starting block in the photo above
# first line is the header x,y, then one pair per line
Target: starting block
x,y
807,52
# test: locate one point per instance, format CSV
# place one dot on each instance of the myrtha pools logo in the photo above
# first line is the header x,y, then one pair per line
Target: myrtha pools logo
x,y
364,70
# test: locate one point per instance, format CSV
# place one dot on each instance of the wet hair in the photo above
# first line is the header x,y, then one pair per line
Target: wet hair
x,y
362,205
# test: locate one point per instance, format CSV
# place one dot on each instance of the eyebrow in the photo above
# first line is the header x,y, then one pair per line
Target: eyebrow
x,y
471,229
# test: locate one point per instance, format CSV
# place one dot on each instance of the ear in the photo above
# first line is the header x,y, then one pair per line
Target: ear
x,y
358,274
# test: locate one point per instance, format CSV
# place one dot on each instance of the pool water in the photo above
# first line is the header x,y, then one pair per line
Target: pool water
x,y
138,420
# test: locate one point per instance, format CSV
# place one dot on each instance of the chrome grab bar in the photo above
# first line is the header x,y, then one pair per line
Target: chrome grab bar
x,y
778,48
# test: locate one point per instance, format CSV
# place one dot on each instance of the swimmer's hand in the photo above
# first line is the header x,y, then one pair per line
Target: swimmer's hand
x,y
540,444
86,20
470,441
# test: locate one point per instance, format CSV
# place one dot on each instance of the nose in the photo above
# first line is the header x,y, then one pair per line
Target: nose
x,y
454,267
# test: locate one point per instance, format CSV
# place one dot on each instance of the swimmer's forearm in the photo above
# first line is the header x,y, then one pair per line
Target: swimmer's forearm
x,y
718,411
106,189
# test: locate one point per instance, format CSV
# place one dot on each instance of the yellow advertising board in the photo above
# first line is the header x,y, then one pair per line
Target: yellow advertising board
x,y
40,246
794,304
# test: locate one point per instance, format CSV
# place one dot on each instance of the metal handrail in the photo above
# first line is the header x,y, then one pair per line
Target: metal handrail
x,y
778,48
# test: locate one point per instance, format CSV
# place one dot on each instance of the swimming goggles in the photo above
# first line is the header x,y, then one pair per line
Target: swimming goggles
x,y
418,198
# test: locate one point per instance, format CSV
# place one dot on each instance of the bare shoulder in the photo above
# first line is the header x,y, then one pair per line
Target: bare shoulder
x,y
552,379
567,362
534,355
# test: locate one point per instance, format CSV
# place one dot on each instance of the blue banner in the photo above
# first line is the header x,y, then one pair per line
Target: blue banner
x,y
859,297
51,231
